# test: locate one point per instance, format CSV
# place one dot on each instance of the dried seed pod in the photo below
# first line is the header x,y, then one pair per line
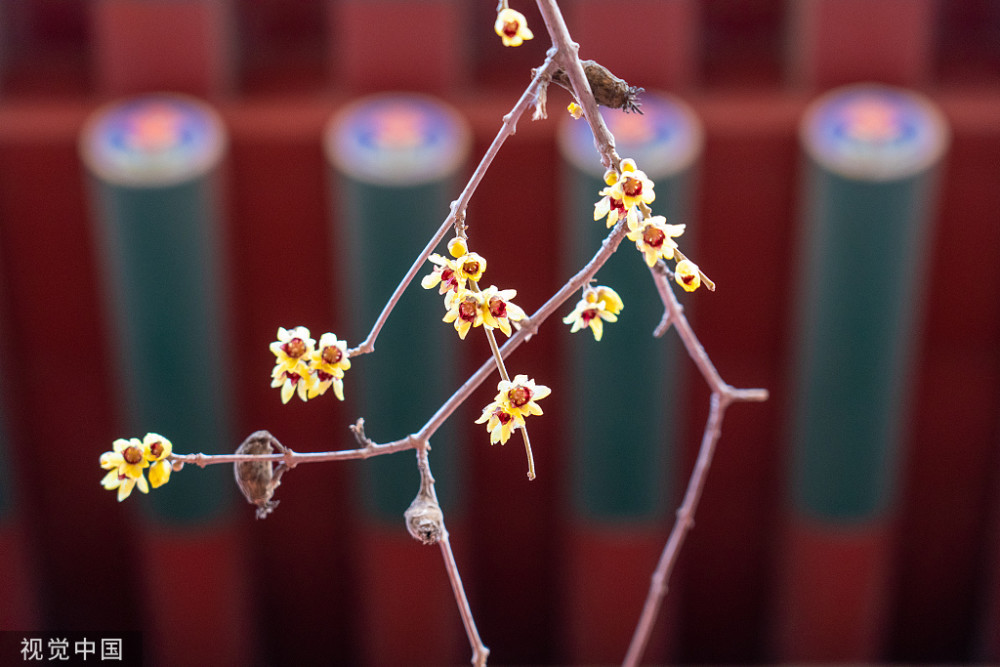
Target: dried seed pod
x,y
424,519
608,89
258,479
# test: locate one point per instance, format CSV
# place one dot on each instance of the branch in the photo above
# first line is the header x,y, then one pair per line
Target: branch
x,y
722,395
457,215
567,52
292,458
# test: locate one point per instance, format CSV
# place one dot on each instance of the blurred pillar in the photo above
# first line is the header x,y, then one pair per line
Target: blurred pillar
x,y
395,160
154,163
623,388
872,154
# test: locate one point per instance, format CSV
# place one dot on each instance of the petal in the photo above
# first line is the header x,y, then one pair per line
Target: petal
x,y
111,480
541,391
597,326
602,208
159,473
125,489
111,460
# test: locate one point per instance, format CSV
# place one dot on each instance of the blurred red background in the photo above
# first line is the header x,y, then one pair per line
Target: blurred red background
x,y
277,71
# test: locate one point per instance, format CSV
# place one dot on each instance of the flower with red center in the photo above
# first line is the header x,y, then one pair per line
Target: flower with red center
x,y
688,275
499,422
512,27
125,464
498,309
632,187
655,238
469,266
465,309
517,397
157,451
598,305
329,362
293,351
293,383
444,276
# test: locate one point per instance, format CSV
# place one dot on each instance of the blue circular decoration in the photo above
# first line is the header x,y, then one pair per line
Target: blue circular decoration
x,y
153,141
874,132
665,139
397,139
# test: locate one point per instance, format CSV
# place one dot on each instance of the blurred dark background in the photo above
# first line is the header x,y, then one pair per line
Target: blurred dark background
x,y
318,583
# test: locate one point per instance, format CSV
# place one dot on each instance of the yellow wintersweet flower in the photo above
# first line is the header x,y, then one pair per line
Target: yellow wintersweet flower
x,y
575,110
469,266
465,309
655,238
632,187
609,207
292,350
512,27
598,305
498,309
499,422
293,382
517,397
157,451
329,363
125,464
607,296
688,275
444,274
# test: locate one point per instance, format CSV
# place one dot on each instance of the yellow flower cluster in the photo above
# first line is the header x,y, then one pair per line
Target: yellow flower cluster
x,y
515,400
465,304
306,368
512,27
127,461
628,194
599,305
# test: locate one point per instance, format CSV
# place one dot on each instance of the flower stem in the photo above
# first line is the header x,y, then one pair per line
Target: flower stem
x,y
506,377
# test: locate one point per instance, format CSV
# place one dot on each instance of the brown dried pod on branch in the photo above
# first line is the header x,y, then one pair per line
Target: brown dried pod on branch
x,y
258,479
609,90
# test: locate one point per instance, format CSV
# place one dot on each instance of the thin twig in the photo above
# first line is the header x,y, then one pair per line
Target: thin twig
x,y
458,207
292,458
722,395
682,525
